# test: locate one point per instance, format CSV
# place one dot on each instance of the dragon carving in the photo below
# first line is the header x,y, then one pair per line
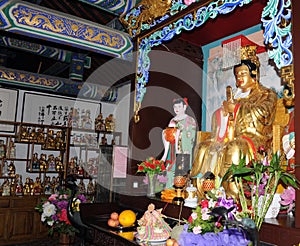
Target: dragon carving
x,y
150,10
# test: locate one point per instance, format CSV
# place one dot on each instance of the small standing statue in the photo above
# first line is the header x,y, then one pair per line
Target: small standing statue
x,y
43,162
90,191
40,135
19,186
6,187
47,186
58,164
11,169
86,120
110,123
35,162
32,135
11,150
50,142
26,188
23,134
73,118
81,187
51,163
152,226
37,186
99,123
59,141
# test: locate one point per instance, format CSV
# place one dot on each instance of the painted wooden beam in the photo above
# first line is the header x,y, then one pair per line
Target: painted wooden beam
x,y
35,21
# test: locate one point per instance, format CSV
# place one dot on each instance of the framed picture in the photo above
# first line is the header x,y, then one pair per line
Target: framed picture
x,y
120,155
8,108
46,109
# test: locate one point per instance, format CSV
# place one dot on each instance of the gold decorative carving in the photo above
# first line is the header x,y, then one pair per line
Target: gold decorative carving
x,y
150,10
287,76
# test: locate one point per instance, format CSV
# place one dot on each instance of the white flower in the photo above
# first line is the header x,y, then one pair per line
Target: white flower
x,y
197,230
43,217
49,209
50,223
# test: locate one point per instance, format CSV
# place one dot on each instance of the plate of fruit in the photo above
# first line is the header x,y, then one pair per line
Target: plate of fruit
x,y
124,221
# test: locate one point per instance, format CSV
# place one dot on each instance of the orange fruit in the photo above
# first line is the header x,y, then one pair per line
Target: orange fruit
x,y
127,218
128,235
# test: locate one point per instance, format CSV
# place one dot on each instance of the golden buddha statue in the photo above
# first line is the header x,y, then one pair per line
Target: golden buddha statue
x,y
241,125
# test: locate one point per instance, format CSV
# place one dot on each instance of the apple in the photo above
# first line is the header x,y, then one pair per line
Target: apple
x,y
114,215
112,223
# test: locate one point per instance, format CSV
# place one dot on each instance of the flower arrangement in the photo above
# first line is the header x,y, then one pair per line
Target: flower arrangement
x,y
202,220
257,183
54,212
204,227
151,166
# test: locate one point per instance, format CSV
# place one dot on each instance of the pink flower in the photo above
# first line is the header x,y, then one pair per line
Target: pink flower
x,y
288,197
205,215
194,215
188,2
197,230
53,197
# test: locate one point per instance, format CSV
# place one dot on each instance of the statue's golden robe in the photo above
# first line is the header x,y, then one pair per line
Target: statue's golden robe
x,y
251,127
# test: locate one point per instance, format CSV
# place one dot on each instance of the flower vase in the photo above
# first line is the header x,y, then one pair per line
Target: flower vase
x,y
151,185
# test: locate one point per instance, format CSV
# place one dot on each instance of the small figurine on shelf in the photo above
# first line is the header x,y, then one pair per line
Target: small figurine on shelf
x,y
57,185
58,164
19,186
47,186
35,166
37,186
26,188
73,118
103,140
2,149
110,123
6,187
11,150
80,170
40,136
81,187
50,142
99,123
72,165
31,187
43,162
53,184
90,191
11,169
32,135
13,185
23,134
59,141
86,120
51,163
113,142
5,169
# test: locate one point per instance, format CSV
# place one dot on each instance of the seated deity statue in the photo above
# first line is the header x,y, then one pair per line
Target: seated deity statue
x,y
242,124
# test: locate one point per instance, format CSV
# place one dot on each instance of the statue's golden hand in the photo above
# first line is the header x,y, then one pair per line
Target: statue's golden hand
x,y
228,107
